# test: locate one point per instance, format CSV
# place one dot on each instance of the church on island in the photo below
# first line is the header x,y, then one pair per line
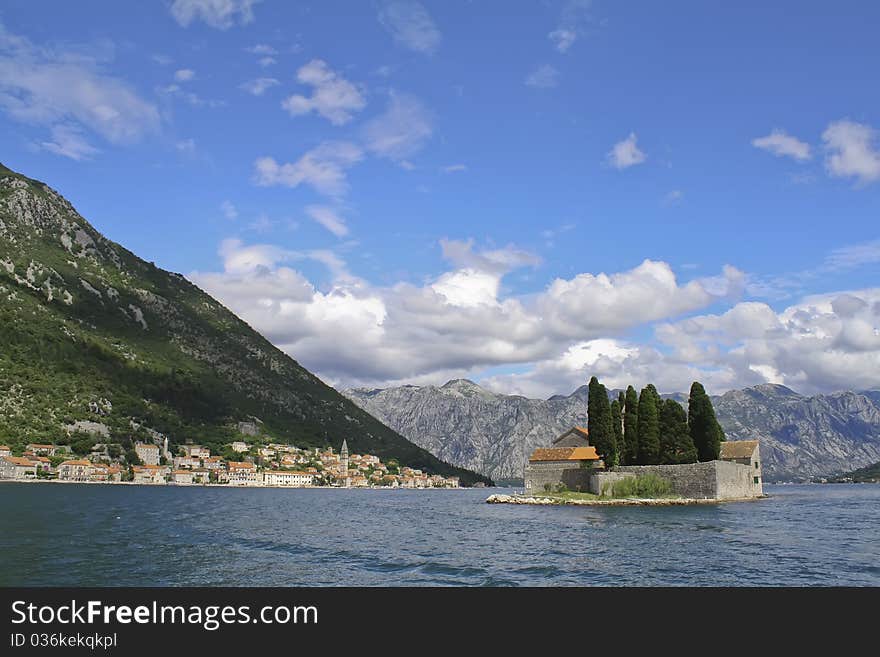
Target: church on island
x,y
573,463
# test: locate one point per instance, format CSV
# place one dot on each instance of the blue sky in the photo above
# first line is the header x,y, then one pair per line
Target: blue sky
x,y
406,192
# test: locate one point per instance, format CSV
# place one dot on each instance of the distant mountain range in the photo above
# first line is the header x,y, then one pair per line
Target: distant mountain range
x,y
801,437
95,339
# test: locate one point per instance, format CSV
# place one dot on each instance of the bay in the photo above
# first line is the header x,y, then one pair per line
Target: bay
x,y
106,535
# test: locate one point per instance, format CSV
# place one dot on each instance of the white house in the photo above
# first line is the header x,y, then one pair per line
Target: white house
x,y
288,478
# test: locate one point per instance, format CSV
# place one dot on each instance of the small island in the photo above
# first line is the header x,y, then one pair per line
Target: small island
x,y
642,451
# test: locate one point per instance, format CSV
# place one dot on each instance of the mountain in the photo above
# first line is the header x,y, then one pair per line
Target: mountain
x,y
804,437
464,423
95,339
801,437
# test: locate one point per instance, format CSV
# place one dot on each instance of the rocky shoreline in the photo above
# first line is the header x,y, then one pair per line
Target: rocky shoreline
x,y
551,501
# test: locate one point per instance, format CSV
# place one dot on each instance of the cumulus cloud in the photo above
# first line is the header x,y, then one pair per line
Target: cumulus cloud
x,y
783,145
852,151
219,14
411,25
625,153
352,332
58,86
543,77
184,75
323,168
259,86
333,97
329,219
401,130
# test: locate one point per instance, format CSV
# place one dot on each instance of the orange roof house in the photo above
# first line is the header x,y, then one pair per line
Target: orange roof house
x,y
564,454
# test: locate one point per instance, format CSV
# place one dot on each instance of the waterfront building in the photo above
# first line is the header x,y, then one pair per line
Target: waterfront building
x,y
75,470
182,477
288,478
17,467
150,474
242,473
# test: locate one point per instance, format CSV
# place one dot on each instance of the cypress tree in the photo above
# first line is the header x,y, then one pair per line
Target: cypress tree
x,y
649,426
592,408
617,426
631,426
676,445
599,423
706,434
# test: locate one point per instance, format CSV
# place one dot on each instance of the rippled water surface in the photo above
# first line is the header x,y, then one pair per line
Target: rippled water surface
x,y
78,535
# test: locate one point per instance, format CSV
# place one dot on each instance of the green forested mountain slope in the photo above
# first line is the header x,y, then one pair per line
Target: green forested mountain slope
x,y
90,333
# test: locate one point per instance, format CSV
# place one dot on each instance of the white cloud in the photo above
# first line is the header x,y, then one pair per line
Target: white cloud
x,y
329,219
563,39
410,25
259,86
68,141
853,256
267,61
543,77
625,153
323,168
575,16
783,145
400,131
852,151
229,210
220,14
453,168
462,320
674,197
52,86
262,49
184,75
186,146
175,91
333,97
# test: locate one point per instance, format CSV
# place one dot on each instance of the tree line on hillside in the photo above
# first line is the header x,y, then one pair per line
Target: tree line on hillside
x,y
644,429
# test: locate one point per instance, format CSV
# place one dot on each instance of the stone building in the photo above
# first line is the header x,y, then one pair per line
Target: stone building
x,y
569,462
17,467
745,452
147,453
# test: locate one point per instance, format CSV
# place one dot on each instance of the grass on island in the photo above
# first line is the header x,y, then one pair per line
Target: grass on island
x,y
647,486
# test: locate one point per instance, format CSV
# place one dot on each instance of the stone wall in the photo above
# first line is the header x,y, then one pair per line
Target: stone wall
x,y
538,474
709,480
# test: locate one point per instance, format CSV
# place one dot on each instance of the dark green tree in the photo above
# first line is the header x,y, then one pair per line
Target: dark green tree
x,y
599,423
631,426
706,434
676,445
649,426
617,427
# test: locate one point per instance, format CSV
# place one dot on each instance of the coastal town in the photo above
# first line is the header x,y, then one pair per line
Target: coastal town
x,y
258,465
